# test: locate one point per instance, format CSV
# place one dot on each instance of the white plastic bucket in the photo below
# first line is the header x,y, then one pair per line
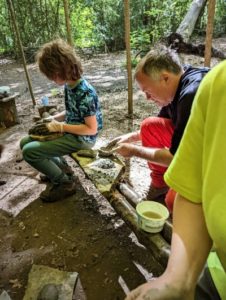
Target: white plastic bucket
x,y
151,216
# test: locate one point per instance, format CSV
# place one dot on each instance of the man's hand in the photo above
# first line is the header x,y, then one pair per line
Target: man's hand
x,y
125,138
158,290
125,149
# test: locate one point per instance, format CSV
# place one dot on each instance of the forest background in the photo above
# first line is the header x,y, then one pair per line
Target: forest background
x,y
90,232
98,25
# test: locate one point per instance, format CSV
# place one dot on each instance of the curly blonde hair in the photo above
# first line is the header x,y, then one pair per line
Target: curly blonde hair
x,y
57,58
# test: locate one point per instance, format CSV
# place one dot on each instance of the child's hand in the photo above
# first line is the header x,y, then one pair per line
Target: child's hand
x,y
125,149
46,128
39,129
55,126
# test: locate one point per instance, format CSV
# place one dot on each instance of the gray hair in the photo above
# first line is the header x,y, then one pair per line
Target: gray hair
x,y
158,60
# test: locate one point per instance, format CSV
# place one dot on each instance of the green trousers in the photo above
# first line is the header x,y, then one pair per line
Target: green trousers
x,y
47,157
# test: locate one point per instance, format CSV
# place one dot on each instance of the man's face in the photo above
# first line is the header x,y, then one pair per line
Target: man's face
x,y
159,91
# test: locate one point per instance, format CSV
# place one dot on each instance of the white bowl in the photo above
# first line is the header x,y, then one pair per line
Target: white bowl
x,y
151,216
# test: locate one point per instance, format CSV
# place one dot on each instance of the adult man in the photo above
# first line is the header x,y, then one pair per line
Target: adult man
x,y
198,174
162,78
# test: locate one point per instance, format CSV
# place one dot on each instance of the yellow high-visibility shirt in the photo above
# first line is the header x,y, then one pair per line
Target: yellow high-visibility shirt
x,y
198,170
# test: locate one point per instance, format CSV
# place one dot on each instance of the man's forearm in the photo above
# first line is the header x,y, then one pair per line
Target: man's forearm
x,y
135,137
161,157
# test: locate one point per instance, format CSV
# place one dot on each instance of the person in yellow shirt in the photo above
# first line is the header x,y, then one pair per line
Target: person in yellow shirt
x,y
197,173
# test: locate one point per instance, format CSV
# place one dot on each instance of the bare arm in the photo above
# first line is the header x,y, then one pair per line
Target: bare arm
x,y
131,137
89,128
161,157
190,247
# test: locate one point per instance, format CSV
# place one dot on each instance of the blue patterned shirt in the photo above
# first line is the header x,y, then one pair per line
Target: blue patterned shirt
x,y
81,102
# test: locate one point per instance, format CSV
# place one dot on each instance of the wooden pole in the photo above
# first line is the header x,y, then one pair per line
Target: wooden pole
x,y
67,21
21,49
209,32
128,57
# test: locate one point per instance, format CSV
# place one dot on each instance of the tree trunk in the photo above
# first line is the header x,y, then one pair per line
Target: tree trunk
x,y
188,24
67,21
21,49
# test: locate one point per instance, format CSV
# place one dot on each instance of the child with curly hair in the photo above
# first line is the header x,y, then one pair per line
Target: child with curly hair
x,y
79,123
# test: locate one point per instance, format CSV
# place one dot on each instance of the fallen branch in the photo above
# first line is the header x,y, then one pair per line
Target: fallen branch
x,y
133,198
157,245
175,41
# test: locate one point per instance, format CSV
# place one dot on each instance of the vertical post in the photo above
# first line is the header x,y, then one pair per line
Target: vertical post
x,y
21,48
128,57
67,21
209,32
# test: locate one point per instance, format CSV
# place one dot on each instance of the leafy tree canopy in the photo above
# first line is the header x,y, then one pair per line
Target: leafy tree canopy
x,y
98,24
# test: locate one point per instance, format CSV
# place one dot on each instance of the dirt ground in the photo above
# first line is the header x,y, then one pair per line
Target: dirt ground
x,y
81,233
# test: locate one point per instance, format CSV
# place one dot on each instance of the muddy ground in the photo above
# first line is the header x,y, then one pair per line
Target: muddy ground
x,y
81,233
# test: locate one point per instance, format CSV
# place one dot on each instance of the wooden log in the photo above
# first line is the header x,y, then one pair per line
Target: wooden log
x,y
157,245
133,198
188,23
129,194
175,41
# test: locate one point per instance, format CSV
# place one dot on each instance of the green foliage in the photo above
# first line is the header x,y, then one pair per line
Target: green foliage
x,y
159,20
219,20
83,29
140,38
99,23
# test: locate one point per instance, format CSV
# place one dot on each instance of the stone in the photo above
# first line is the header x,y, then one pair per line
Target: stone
x,y
103,172
44,281
49,292
5,296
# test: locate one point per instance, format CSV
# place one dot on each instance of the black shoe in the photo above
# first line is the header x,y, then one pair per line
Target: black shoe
x,y
44,178
56,192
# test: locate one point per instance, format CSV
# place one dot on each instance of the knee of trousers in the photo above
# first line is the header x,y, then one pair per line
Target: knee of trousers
x,y
148,124
24,141
30,152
